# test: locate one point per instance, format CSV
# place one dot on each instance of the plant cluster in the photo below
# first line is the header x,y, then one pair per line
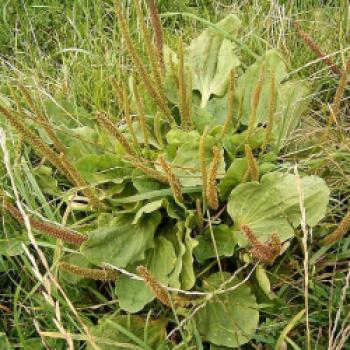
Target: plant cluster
x,y
181,201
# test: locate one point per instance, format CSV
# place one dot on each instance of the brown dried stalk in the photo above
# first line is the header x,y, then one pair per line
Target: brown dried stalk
x,y
271,113
212,194
265,252
155,93
93,274
158,290
139,164
339,232
230,103
109,126
315,48
52,230
255,102
252,164
158,31
202,160
172,179
140,112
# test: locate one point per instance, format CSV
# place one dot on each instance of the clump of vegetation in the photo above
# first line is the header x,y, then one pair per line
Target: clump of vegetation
x,y
183,207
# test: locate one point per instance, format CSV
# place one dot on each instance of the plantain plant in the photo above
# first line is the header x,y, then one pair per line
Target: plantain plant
x,y
184,199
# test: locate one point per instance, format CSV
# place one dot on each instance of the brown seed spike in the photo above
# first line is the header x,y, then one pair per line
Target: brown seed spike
x,y
140,112
60,162
127,116
139,66
316,49
56,231
212,194
150,49
157,27
172,179
140,164
118,91
271,113
340,90
182,86
339,232
43,120
93,274
202,160
199,211
265,252
189,101
255,101
252,164
230,103
158,290
33,139
109,126
157,129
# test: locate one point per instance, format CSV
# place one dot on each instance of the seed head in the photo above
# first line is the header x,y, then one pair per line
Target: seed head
x,y
158,290
172,179
212,194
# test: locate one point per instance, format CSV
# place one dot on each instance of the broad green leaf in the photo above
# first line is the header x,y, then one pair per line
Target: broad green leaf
x,y
178,137
143,183
64,113
121,243
187,275
228,319
80,142
175,235
11,246
292,103
166,192
247,82
155,206
233,176
212,115
139,133
133,295
211,58
46,181
224,242
123,331
186,164
273,206
255,140
102,168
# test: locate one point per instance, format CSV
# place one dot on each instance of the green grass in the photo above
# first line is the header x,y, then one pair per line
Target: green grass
x,y
69,50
